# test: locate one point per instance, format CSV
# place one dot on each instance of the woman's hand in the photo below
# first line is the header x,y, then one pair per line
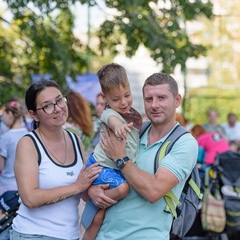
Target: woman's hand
x,y
98,197
87,176
113,147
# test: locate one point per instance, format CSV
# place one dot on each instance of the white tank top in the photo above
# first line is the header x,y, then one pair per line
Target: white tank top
x,y
59,220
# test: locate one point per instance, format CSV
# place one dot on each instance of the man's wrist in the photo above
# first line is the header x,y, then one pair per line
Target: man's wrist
x,y
115,159
121,162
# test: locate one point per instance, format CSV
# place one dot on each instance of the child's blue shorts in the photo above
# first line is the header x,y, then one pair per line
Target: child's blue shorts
x,y
110,176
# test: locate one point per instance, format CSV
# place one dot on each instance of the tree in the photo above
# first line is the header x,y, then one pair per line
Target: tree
x,y
221,93
41,44
46,43
157,24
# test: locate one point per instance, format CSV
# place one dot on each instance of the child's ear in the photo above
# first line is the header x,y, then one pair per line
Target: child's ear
x,y
103,97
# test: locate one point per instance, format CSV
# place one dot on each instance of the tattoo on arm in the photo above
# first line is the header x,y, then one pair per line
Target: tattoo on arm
x,y
58,200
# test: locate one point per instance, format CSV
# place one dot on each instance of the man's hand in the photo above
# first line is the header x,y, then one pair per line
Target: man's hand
x,y
113,147
98,197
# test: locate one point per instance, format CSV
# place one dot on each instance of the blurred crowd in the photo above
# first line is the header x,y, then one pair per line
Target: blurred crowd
x,y
212,136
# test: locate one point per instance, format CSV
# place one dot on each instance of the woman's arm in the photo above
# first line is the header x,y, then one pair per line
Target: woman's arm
x,y
26,172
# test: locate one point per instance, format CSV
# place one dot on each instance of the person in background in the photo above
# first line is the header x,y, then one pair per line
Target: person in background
x,y
12,118
3,127
211,142
99,108
141,215
183,121
212,125
80,122
232,129
29,121
49,170
126,123
79,119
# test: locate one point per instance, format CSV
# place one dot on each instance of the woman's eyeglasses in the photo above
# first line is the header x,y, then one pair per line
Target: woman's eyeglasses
x,y
50,107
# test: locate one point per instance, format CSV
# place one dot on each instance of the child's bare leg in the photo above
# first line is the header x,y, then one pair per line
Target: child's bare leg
x,y
92,231
118,192
115,193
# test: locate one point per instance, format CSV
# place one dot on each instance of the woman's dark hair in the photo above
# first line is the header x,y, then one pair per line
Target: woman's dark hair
x,y
32,93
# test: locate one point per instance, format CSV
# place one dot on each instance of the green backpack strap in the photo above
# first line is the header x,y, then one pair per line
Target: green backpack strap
x,y
195,188
236,189
171,200
170,197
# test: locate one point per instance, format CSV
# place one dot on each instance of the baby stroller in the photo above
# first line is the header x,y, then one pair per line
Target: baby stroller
x,y
197,231
227,167
225,174
8,207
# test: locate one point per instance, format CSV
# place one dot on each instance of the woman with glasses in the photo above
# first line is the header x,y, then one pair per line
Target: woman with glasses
x,y
49,170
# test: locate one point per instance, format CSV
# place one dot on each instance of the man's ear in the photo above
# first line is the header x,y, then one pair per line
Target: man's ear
x,y
178,100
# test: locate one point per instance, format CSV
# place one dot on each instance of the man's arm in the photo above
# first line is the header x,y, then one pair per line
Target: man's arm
x,y
151,187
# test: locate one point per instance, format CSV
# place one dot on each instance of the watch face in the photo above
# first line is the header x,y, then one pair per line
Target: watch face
x,y
120,163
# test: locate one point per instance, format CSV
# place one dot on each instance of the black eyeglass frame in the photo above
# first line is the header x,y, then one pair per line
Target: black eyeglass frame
x,y
54,105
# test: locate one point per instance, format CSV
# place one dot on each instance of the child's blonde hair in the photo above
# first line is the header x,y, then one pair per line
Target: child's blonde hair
x,y
112,76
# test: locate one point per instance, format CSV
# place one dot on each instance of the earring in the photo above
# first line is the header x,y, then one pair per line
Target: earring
x,y
36,124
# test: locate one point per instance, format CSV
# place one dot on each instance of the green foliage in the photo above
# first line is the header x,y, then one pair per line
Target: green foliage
x,y
51,46
44,6
160,29
9,89
200,100
44,40
222,92
5,61
38,45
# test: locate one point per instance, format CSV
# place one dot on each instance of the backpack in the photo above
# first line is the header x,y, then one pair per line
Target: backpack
x,y
185,208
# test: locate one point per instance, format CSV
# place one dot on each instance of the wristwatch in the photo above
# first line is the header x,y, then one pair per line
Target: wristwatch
x,y
120,162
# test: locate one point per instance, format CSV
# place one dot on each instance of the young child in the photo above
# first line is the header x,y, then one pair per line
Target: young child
x,y
8,207
126,122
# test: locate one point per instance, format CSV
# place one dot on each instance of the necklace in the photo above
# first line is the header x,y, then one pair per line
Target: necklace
x,y
65,158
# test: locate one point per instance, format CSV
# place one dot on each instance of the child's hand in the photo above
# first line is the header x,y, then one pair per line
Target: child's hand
x,y
121,130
